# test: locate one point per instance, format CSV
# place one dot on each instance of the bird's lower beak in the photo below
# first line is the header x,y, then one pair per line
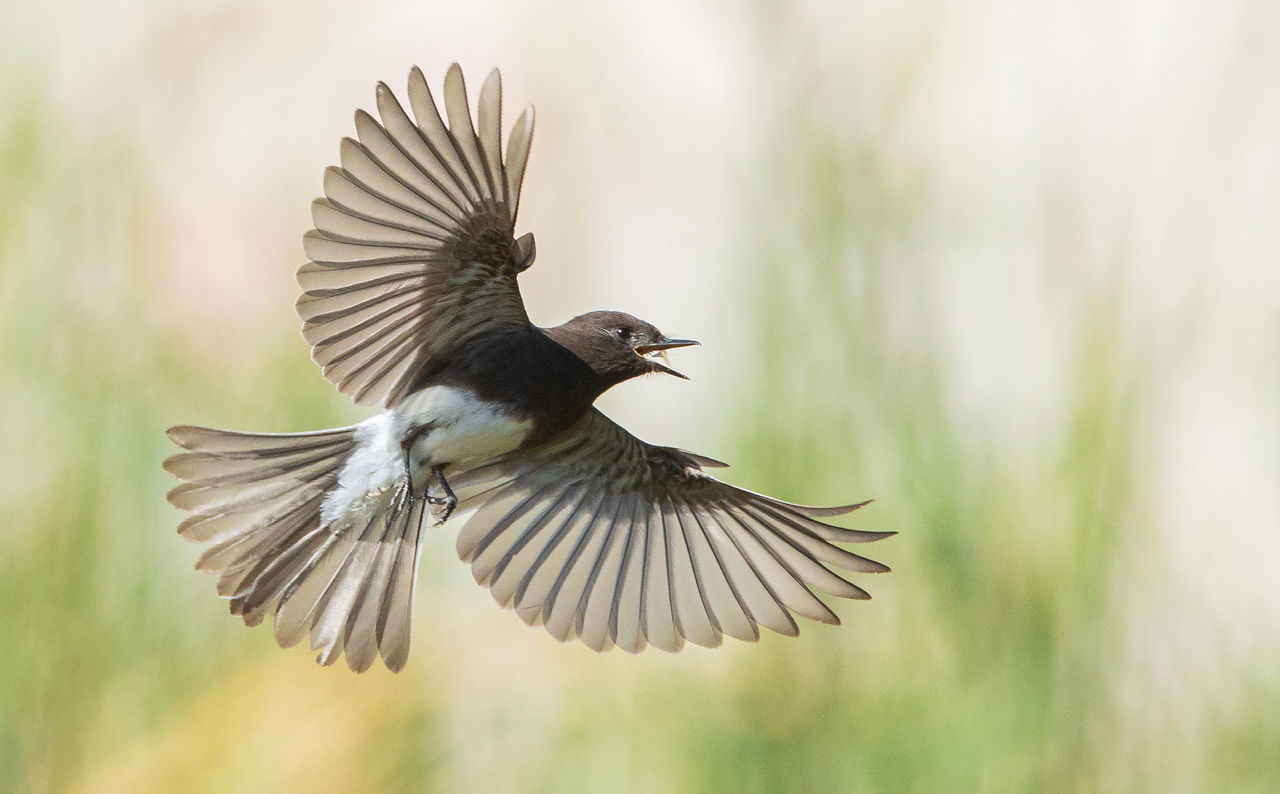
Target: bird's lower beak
x,y
658,350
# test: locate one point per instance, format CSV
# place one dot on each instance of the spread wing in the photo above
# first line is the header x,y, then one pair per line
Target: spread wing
x,y
413,254
603,537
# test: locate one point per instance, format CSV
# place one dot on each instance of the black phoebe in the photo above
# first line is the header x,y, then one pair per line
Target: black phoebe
x,y
410,302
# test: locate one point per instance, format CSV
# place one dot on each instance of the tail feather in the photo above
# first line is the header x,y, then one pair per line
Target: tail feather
x,y
337,605
276,577
257,500
230,443
243,547
302,596
227,525
205,497
393,618
361,635
218,469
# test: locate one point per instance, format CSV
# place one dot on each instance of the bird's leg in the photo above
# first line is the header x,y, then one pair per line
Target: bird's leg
x,y
446,502
406,445
406,448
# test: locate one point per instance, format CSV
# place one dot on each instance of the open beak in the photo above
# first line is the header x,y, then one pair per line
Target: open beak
x,y
658,350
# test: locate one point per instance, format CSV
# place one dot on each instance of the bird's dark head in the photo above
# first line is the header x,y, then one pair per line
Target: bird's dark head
x,y
616,345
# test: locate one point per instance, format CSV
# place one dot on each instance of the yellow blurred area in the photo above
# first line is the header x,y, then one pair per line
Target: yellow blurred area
x,y
1009,268
294,716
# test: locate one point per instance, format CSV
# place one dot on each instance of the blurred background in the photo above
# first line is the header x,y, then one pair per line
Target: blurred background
x,y
1009,268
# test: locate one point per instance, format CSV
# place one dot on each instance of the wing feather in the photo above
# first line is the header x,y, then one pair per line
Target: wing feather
x,y
362,168
564,601
414,144
413,254
718,592
527,544
387,154
347,193
347,226
489,122
787,593
437,137
497,513
693,618
599,594
811,571
534,592
759,603
598,536
461,130
657,586
518,156
626,623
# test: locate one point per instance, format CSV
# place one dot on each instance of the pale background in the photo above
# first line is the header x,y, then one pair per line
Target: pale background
x,y
1010,268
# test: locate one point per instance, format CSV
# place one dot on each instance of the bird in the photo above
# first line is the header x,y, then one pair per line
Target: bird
x,y
486,422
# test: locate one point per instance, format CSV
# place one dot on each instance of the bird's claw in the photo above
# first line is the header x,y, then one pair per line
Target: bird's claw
x,y
446,504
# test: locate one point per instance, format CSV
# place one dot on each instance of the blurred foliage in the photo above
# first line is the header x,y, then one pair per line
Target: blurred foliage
x,y
989,660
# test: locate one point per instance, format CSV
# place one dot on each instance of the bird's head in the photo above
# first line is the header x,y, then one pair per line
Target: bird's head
x,y
617,346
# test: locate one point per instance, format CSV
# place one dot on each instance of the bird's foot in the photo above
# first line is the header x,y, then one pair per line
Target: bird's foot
x,y
446,503
446,506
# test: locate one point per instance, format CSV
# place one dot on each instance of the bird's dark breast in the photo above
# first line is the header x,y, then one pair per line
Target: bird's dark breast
x,y
539,379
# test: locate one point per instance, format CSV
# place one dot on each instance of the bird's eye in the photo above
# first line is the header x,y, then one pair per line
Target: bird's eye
x,y
622,333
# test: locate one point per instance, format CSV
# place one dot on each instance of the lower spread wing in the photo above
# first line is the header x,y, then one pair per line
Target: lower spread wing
x,y
603,537
413,253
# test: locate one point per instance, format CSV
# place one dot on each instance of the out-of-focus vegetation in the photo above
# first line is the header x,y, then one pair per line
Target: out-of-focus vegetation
x,y
1007,268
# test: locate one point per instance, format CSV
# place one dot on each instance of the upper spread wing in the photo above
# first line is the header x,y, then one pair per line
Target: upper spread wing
x,y
413,253
603,537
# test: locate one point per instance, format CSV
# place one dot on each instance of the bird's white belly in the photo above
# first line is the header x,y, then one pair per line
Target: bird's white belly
x,y
459,428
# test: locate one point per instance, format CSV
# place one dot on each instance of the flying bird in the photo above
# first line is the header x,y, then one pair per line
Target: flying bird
x,y
410,302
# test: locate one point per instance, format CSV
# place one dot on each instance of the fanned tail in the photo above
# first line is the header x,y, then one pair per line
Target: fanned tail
x,y
344,577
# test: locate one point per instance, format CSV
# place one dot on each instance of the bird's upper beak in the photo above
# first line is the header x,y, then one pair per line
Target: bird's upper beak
x,y
658,350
